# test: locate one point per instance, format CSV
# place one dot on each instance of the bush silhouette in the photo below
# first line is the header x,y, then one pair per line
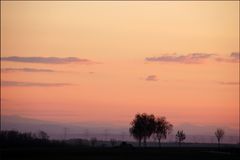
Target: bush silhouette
x,y
113,142
93,141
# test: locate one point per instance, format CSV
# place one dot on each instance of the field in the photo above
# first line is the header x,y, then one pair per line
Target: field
x,y
119,153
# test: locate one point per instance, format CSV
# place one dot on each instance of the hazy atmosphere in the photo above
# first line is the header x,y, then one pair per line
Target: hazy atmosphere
x,y
89,67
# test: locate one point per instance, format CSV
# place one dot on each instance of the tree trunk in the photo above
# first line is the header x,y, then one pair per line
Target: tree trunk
x,y
139,142
179,143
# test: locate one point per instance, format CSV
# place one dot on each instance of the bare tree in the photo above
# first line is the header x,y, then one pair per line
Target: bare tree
x,y
162,129
142,127
180,136
219,134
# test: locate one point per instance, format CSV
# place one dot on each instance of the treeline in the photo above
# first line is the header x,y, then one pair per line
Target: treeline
x,y
18,139
41,139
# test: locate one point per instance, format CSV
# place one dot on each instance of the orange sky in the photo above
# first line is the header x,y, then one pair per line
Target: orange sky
x,y
118,38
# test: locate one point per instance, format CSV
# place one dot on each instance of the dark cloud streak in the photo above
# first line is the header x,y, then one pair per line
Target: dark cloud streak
x,y
232,58
187,59
26,70
228,83
46,60
31,84
235,55
151,78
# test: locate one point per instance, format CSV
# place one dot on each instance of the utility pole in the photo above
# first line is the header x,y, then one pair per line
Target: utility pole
x,y
65,130
86,134
106,134
123,136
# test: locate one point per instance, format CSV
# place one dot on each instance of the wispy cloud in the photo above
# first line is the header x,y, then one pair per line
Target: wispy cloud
x,y
151,78
228,83
26,70
3,100
187,59
46,60
31,84
234,57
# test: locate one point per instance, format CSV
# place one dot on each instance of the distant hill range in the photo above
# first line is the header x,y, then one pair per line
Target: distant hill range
x,y
195,134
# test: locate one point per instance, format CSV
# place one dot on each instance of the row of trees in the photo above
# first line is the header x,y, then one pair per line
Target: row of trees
x,y
145,126
15,138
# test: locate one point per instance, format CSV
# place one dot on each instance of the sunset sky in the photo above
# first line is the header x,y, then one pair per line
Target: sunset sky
x,y
173,59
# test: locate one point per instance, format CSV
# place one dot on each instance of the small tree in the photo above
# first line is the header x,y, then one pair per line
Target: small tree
x,y
43,135
162,129
113,142
180,136
93,141
219,134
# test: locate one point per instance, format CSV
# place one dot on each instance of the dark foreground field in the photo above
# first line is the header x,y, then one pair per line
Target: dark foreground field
x,y
119,153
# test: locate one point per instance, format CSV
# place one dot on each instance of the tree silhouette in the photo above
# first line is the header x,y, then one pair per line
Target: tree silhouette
x,y
180,136
93,141
113,142
219,134
162,129
142,127
43,135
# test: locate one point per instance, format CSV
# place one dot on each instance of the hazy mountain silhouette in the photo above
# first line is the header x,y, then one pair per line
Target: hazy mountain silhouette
x,y
56,129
